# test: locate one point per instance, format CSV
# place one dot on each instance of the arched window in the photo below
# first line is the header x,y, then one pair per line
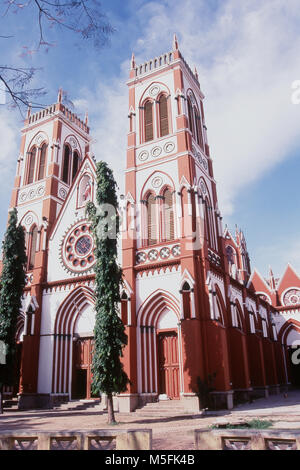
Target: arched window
x,y
207,224
75,164
191,117
124,308
151,216
168,215
148,121
31,167
199,136
65,175
33,247
42,166
186,299
163,116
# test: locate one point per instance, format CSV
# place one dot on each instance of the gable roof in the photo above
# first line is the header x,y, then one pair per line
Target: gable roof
x,y
87,166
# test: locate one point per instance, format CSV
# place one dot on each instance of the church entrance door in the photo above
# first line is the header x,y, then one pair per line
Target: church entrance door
x,y
82,368
168,363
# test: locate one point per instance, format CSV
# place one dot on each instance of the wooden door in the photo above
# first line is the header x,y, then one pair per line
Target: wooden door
x,y
82,365
168,364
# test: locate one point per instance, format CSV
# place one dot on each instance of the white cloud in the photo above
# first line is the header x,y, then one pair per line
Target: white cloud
x,y
9,151
247,55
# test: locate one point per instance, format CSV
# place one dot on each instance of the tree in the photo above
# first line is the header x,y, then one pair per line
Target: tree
x,y
84,18
12,285
109,376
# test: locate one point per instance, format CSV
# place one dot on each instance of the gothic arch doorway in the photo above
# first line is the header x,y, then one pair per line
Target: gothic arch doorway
x,y
290,337
159,348
72,354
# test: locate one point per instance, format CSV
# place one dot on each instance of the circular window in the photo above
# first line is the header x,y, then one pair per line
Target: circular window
x,y
78,249
83,245
292,297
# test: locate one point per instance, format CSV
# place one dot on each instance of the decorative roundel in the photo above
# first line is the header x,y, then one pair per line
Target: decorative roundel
x,y
176,250
152,255
169,147
157,182
164,252
292,297
204,162
141,257
203,187
156,151
29,219
154,90
143,155
78,248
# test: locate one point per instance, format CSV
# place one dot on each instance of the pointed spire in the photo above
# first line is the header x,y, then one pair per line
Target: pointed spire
x,y
86,118
132,61
59,96
196,74
271,279
237,234
175,43
28,111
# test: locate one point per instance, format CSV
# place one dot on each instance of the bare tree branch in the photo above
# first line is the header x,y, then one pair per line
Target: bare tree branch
x,y
84,18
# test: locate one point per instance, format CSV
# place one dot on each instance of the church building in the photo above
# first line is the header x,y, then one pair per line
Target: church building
x,y
188,302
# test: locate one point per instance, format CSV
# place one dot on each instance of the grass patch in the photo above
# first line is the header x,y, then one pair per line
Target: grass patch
x,y
252,424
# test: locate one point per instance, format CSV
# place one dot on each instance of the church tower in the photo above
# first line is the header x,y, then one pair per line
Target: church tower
x,y
171,232
53,145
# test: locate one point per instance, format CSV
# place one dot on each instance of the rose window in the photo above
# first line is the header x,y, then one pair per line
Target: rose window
x,y
292,297
78,248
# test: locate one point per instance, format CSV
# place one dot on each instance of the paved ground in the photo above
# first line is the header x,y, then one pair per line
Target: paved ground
x,y
168,432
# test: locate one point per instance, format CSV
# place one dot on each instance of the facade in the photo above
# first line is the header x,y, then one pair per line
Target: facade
x,y
191,315
284,294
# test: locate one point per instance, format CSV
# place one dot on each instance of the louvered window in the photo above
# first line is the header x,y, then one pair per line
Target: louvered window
x,y
191,117
32,157
152,228
169,216
75,165
65,175
33,247
199,130
207,224
163,116
148,121
42,162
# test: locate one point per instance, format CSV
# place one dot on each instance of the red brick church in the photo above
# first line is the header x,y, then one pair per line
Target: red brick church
x,y
189,301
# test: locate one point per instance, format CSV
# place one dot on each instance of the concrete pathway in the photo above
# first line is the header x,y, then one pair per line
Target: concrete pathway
x,y
175,433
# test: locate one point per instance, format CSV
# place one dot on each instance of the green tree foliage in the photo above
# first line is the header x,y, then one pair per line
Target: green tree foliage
x,y
109,376
12,285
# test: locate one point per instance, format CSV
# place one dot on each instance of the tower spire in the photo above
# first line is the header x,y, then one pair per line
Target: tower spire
x,y
196,73
271,279
86,118
175,43
59,96
132,61
29,111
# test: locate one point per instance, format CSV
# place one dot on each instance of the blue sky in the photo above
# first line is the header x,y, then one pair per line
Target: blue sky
x,y
247,56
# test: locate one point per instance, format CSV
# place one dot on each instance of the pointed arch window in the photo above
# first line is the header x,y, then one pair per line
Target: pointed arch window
x,y
198,129
163,115
148,121
151,219
42,166
186,299
191,117
31,168
168,215
33,247
75,164
66,165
